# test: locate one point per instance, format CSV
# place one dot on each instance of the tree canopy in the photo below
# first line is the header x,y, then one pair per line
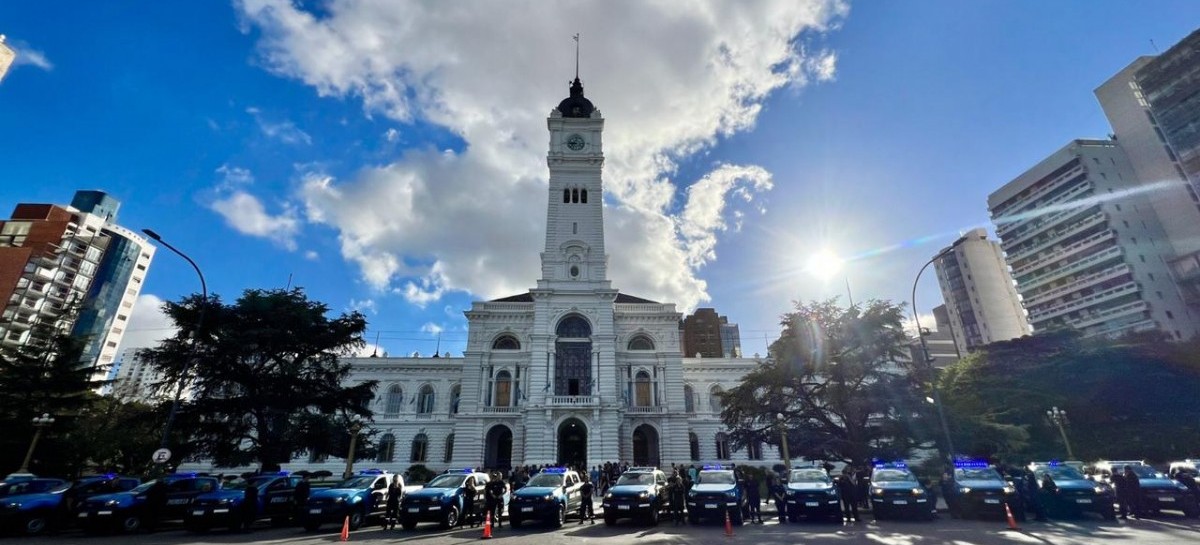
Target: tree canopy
x,y
265,375
839,377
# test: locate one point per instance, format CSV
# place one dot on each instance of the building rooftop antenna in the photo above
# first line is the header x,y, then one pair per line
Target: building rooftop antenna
x,y
576,38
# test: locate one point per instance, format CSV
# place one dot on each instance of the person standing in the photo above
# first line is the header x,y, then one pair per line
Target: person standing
x,y
586,509
1033,500
156,499
249,507
1129,491
676,493
754,497
395,493
300,494
468,508
494,494
848,490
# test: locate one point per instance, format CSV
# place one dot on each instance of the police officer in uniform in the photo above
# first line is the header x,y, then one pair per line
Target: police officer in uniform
x,y
586,509
494,492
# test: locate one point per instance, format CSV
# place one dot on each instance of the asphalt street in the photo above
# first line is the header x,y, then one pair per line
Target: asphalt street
x,y
1167,529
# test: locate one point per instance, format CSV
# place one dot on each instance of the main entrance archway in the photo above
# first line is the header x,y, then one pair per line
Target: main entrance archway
x,y
645,446
498,448
572,443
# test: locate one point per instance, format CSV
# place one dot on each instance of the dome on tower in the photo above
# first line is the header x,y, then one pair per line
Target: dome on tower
x,y
576,105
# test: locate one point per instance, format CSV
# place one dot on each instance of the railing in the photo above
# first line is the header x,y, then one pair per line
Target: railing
x,y
646,410
573,401
1035,222
500,410
1068,176
1051,238
1035,282
1136,306
1077,284
1088,301
1061,253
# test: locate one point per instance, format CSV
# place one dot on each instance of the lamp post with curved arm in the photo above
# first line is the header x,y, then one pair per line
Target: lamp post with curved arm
x,y
39,423
937,398
187,366
1059,418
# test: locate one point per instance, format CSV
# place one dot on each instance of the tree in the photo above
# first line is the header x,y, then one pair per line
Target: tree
x,y
43,376
839,376
267,380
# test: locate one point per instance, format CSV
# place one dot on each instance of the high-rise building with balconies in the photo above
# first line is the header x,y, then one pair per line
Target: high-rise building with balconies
x,y
1085,245
982,304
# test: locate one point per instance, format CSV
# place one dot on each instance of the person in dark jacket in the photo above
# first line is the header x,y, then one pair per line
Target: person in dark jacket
x,y
754,498
1033,499
676,495
395,493
1188,480
848,490
156,499
1129,492
586,509
494,494
468,511
249,507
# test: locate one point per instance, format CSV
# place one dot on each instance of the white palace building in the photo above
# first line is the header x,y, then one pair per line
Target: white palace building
x,y
572,372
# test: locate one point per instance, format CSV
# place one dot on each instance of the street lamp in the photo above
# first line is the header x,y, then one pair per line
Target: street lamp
x,y
937,398
1059,418
783,442
355,428
187,365
39,422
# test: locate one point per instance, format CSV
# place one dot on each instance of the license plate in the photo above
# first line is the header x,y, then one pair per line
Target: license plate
x,y
414,509
314,511
710,506
103,512
900,502
279,500
219,511
990,500
622,507
198,512
526,509
1165,498
811,504
177,501
1083,500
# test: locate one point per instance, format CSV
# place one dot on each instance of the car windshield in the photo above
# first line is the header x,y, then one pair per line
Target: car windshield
x,y
715,477
546,479
893,475
28,487
1061,472
985,474
62,487
241,484
447,481
363,481
636,478
143,487
808,476
1143,471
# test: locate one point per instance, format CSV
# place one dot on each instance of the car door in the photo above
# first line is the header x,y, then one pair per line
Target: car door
x,y
481,483
378,495
179,494
572,491
277,498
660,489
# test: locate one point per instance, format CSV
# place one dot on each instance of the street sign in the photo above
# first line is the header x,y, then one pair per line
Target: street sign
x,y
161,456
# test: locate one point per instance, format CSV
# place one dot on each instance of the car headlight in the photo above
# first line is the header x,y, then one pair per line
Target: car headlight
x,y
918,491
609,496
339,499
964,490
644,495
832,491
731,493
225,501
111,503
1100,489
1009,489
691,493
548,497
13,505
1181,487
877,491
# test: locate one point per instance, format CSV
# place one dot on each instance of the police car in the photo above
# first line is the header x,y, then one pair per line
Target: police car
x,y
126,511
549,496
442,499
978,490
361,496
20,484
1190,465
640,493
1069,492
810,493
33,513
1159,492
224,507
896,492
715,493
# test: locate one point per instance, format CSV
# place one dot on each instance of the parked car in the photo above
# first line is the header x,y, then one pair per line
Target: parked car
x,y
35,513
360,497
442,500
129,511
640,494
224,507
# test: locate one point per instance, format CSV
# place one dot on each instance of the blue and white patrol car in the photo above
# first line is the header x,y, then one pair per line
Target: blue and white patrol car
x,y
1064,490
127,511
361,496
978,490
896,493
640,493
549,496
812,494
276,493
33,513
443,499
716,492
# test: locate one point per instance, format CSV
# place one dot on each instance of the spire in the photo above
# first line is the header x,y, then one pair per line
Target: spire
x,y
576,36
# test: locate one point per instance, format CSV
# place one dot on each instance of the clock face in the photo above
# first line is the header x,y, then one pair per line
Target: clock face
x,y
575,142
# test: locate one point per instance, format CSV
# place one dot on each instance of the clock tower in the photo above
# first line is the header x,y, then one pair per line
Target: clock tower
x,y
574,257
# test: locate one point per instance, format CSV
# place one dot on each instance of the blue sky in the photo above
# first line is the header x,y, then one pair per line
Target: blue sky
x,y
390,169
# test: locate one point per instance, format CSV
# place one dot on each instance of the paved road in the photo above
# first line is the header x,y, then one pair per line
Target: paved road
x,y
1162,531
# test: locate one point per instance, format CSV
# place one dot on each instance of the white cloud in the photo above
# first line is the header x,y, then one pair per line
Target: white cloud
x,y
233,177
148,324
312,255
432,328
27,55
247,215
365,306
392,135
670,80
285,131
928,323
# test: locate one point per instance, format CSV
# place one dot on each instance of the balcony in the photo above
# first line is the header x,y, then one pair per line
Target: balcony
x,y
1077,284
500,410
1070,175
1036,221
1061,253
1034,282
1096,298
1110,314
1077,227
573,401
646,410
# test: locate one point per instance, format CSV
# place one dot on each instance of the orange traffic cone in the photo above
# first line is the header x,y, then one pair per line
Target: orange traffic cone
x,y
346,529
1012,523
487,526
728,525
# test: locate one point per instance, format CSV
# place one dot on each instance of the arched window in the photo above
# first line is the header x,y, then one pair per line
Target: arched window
x,y
395,400
641,389
573,327
506,342
575,195
694,446
722,446
503,389
425,400
420,448
455,397
449,454
754,450
583,196
714,399
387,448
689,399
566,196
641,342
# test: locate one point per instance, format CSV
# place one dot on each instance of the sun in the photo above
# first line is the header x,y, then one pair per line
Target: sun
x,y
824,264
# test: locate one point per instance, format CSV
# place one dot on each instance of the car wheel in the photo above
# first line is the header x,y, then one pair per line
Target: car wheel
x,y
356,520
451,518
561,518
737,519
131,523
35,524
652,518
